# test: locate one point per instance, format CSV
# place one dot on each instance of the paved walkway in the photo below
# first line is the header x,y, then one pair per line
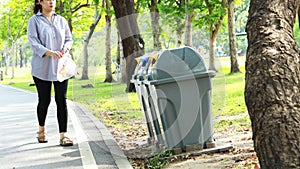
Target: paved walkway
x,y
94,147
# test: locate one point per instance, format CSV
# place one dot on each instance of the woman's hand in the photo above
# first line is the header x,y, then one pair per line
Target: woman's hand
x,y
64,50
56,54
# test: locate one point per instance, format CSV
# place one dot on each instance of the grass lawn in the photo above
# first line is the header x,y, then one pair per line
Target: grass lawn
x,y
227,95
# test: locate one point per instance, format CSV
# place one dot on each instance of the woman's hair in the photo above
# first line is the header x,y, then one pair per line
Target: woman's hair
x,y
37,7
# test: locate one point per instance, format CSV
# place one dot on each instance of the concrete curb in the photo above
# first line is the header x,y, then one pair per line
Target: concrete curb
x,y
116,152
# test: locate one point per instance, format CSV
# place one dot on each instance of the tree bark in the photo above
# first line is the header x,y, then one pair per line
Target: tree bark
x,y
155,24
189,15
121,60
2,59
86,41
85,66
214,29
234,66
7,61
61,9
118,48
123,69
21,57
13,56
179,33
272,83
132,42
212,44
108,77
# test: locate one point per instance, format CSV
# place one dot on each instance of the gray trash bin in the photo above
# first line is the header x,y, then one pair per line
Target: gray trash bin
x,y
179,86
137,78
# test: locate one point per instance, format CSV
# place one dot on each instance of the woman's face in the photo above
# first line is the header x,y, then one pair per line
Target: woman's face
x,y
48,5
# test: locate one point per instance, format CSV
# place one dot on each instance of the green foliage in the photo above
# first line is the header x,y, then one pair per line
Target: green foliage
x,y
239,123
171,8
208,14
156,162
142,4
297,32
227,88
172,16
96,2
17,10
172,13
241,15
227,94
12,17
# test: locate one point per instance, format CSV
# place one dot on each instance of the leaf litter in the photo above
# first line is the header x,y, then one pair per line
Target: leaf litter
x,y
132,137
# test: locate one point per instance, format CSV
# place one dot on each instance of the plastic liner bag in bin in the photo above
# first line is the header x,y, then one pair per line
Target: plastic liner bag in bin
x,y
141,68
66,68
143,64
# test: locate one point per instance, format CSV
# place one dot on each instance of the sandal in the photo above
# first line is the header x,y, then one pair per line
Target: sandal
x,y
41,137
65,141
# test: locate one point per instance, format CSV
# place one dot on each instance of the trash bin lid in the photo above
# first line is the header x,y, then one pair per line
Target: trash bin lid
x,y
177,62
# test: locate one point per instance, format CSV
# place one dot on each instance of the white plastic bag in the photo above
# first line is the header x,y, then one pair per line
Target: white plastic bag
x,y
66,68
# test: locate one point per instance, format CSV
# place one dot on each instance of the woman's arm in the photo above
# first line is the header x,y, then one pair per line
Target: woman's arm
x,y
33,38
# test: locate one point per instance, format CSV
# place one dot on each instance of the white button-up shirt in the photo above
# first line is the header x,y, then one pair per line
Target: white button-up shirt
x,y
44,35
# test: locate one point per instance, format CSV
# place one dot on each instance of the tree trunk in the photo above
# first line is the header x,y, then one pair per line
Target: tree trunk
x,y
13,60
108,77
21,57
121,60
232,39
85,55
214,29
16,55
118,48
132,42
179,33
123,69
87,40
71,29
155,24
188,24
2,59
272,83
14,38
7,62
71,10
212,43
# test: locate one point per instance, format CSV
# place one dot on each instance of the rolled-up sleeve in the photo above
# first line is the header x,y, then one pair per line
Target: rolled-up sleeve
x,y
33,37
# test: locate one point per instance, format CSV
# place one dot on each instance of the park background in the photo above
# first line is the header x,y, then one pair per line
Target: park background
x,y
119,110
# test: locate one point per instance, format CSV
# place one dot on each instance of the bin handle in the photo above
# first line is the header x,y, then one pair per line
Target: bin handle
x,y
155,57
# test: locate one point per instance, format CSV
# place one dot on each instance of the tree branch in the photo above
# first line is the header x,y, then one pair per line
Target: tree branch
x,y
79,5
8,26
27,13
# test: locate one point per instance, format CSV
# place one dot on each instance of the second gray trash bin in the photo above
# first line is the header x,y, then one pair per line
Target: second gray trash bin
x,y
180,86
137,79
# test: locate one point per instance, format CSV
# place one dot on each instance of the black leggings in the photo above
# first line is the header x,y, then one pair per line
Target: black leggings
x,y
44,94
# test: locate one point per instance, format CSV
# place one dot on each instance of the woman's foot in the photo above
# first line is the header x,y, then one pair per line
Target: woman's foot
x,y
41,136
65,141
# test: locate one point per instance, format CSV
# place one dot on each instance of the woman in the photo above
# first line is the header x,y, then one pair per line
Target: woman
x,y
50,39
